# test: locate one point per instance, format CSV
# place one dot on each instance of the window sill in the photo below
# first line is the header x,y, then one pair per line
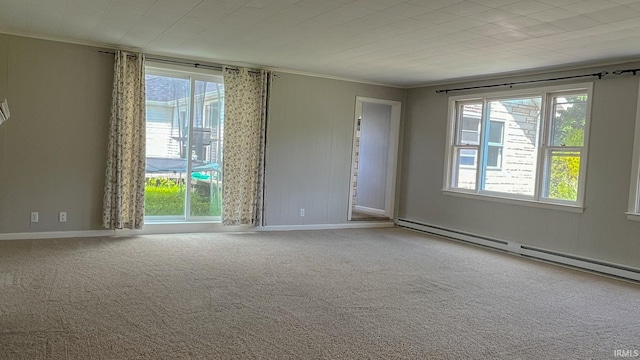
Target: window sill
x,y
633,216
522,202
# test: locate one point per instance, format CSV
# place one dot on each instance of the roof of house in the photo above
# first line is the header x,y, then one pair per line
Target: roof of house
x,y
163,88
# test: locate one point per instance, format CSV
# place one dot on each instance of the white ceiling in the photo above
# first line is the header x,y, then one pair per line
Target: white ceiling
x,y
398,42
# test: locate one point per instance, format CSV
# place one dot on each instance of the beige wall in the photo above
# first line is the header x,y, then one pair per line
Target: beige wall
x,y
52,154
601,232
309,145
56,140
53,149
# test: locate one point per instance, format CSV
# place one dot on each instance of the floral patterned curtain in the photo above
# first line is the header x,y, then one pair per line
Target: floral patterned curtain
x,y
244,145
124,182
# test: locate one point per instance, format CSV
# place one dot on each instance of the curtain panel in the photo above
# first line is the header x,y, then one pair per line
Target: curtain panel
x,y
125,173
246,94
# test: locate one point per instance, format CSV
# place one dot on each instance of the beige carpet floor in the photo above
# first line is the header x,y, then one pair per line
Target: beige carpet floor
x,y
349,294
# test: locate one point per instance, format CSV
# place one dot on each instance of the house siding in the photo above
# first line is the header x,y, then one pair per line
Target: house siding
x,y
516,172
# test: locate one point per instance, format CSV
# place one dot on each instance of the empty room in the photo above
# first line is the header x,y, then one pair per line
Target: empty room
x,y
319,179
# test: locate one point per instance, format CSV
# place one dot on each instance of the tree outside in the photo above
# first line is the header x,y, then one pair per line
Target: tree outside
x,y
568,127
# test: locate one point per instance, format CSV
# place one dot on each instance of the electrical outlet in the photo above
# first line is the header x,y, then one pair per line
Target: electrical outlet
x,y
302,212
34,216
62,217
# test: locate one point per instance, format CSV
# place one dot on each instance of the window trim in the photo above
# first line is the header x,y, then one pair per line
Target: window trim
x,y
633,210
494,197
537,199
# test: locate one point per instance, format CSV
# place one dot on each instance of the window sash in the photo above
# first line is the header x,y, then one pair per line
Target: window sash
x,y
460,130
552,101
559,151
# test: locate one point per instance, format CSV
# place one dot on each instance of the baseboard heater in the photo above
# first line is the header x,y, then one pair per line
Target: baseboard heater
x,y
591,265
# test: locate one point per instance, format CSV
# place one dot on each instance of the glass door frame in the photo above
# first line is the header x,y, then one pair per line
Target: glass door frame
x,y
193,75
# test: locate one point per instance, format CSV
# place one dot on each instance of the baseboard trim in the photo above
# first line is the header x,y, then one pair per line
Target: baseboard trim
x,y
549,256
182,228
370,211
352,225
173,228
457,235
55,234
597,266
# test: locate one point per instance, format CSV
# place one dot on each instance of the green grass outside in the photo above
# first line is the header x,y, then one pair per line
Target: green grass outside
x,y
165,197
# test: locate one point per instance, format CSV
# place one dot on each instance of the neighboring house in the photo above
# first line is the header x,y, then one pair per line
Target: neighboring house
x,y
168,119
511,152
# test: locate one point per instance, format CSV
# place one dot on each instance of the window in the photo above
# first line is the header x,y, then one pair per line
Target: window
x,y
184,135
634,191
524,146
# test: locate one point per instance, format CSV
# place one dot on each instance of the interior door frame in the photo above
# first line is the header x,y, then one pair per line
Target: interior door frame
x,y
392,156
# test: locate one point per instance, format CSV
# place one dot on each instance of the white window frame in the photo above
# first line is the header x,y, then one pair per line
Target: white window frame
x,y
193,75
542,145
633,211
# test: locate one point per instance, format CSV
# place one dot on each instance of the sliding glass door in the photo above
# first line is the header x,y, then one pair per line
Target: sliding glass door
x,y
185,133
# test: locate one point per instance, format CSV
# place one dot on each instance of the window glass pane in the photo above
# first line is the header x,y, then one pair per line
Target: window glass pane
x,y
518,121
470,137
167,129
465,169
494,156
496,131
469,126
563,172
468,157
206,149
469,123
568,120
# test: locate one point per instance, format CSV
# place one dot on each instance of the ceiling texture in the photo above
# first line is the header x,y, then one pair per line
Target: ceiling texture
x,y
394,42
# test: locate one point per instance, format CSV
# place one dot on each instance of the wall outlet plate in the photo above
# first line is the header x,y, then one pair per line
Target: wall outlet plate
x,y
34,216
62,217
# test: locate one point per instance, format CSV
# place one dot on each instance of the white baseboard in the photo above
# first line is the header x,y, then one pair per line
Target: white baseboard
x,y
352,225
182,227
558,258
371,211
55,234
175,228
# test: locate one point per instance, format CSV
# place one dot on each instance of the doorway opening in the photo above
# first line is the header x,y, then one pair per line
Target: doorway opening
x,y
374,160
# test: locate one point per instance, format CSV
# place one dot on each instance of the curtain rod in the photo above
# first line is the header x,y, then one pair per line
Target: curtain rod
x,y
598,75
189,63
620,72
